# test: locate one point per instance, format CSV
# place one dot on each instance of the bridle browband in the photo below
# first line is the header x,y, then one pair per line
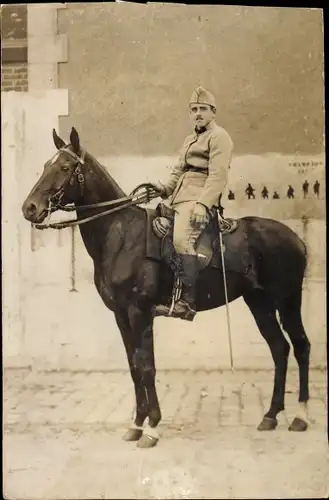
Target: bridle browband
x,y
55,200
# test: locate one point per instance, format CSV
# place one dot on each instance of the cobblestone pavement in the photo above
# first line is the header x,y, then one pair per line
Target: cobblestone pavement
x,y
62,437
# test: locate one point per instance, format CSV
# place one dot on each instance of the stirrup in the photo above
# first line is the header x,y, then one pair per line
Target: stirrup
x,y
169,312
189,312
166,310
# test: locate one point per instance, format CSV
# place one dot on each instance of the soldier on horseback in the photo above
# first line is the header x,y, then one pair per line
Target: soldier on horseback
x,y
195,186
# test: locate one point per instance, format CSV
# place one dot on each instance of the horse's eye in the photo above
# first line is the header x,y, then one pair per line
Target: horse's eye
x,y
65,168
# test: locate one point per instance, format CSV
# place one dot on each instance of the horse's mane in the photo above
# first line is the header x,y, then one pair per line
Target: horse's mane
x,y
91,159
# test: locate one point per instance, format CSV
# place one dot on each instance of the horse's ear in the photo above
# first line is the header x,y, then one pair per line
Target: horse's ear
x,y
59,143
75,141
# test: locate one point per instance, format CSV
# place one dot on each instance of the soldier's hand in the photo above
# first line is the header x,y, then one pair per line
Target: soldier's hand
x,y
199,215
160,189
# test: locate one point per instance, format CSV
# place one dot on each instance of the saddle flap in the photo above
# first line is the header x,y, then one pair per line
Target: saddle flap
x,y
208,243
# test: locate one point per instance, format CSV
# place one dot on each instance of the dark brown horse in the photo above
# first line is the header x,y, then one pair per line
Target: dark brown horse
x,y
131,285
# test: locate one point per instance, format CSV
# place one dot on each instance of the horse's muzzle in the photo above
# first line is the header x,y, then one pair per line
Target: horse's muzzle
x,y
31,212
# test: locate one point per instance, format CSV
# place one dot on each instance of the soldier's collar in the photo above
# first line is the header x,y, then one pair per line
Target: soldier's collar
x,y
210,126
199,131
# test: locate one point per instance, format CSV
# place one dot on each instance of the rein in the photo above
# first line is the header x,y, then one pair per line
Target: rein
x,y
76,222
54,201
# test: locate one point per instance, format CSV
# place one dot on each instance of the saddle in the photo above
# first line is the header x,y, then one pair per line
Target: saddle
x,y
160,224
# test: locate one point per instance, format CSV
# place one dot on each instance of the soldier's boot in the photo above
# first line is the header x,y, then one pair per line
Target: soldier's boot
x,y
185,308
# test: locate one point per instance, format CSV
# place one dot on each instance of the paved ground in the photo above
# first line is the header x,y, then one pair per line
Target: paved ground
x,y
62,437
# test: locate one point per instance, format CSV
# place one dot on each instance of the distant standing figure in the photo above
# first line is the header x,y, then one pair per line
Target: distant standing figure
x,y
231,195
275,196
316,188
290,192
250,191
305,188
264,193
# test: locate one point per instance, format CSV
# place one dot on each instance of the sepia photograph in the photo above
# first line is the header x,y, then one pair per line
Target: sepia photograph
x,y
164,251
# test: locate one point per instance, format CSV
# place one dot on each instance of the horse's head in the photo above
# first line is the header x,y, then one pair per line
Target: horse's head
x,y
61,182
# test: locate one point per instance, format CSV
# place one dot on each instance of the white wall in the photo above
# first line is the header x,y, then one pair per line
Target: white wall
x,y
28,119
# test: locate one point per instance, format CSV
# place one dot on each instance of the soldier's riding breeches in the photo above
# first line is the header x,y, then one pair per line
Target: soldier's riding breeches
x,y
185,233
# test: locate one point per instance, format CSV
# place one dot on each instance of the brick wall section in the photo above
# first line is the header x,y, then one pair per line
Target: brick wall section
x,y
14,77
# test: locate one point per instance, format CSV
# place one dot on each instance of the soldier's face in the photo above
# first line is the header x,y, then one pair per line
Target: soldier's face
x,y
201,115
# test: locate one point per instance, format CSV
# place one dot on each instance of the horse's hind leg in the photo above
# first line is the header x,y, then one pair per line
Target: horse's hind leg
x,y
291,319
264,313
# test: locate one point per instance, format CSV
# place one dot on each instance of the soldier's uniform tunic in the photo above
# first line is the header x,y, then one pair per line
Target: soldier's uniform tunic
x,y
199,175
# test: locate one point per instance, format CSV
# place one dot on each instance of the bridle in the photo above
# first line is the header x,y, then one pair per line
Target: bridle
x,y
77,174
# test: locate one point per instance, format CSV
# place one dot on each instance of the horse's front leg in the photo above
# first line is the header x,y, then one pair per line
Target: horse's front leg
x,y
135,431
141,322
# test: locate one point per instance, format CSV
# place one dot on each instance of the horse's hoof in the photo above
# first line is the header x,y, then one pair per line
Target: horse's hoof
x,y
132,434
267,424
147,441
298,425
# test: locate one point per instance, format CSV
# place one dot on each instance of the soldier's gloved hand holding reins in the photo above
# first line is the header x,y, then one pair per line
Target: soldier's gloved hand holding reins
x,y
149,190
151,193
161,190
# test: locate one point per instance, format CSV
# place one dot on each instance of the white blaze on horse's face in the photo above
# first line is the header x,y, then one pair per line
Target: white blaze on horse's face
x,y
57,172
54,158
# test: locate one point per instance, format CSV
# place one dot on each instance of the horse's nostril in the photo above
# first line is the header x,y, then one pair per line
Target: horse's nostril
x,y
31,209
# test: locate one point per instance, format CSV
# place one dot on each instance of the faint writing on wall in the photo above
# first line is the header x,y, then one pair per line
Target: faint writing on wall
x,y
303,167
